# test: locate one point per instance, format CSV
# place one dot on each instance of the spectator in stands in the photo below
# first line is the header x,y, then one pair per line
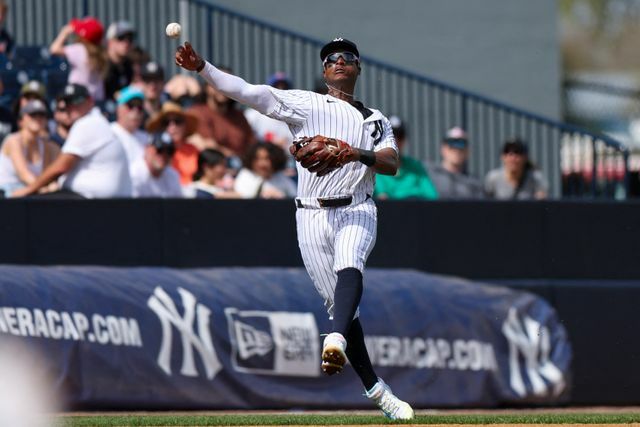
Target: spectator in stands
x,y
517,179
412,180
268,129
26,153
6,116
261,175
61,124
129,117
153,87
93,163
212,180
86,56
221,122
450,177
31,90
139,58
6,41
183,89
120,37
152,175
179,124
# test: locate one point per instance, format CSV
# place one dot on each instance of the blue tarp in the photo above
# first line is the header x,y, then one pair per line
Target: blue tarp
x,y
250,338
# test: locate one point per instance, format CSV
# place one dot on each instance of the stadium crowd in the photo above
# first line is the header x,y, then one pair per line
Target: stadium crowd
x,y
119,127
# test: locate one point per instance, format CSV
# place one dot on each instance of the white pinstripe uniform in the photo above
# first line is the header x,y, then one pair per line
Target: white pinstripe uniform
x,y
332,239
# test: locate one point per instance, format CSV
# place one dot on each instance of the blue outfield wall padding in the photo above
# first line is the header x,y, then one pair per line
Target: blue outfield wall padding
x,y
250,338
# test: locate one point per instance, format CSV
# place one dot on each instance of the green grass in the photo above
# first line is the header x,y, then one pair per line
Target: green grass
x,y
314,419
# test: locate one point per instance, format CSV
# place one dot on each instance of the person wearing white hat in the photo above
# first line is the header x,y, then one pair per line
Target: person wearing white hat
x,y
120,39
450,177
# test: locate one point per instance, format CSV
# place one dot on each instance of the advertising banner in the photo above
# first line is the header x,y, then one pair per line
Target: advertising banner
x,y
219,338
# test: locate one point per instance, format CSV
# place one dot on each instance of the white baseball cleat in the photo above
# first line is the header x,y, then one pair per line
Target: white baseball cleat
x,y
333,353
392,407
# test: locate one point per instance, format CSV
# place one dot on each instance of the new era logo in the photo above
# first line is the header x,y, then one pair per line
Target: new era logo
x,y
274,342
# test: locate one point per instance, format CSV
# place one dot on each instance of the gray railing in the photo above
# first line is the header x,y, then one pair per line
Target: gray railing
x,y
576,162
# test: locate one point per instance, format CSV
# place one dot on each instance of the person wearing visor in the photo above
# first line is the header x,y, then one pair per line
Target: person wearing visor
x,y
335,216
517,179
129,118
93,163
450,176
152,175
26,153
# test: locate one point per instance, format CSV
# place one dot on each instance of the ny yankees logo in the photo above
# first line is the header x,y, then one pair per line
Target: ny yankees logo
x,y
162,304
529,339
377,132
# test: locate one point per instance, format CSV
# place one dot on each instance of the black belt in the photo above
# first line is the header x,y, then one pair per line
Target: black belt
x,y
329,203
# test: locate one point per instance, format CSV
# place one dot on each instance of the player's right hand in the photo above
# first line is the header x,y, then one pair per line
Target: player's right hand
x,y
188,59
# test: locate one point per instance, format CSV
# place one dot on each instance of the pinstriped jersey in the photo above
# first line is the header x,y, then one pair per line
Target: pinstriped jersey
x,y
309,114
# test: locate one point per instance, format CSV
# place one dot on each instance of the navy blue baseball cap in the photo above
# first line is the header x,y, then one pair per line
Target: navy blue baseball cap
x,y
516,146
339,44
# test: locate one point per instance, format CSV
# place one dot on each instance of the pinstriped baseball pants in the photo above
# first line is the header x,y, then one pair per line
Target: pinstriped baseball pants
x,y
332,239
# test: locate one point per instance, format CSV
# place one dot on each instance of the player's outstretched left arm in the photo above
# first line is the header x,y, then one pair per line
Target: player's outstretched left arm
x,y
258,97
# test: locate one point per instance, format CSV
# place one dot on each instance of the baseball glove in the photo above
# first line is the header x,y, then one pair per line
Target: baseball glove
x,y
322,155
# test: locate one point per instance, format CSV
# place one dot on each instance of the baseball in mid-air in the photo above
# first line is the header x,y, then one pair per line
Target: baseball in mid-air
x,y
173,30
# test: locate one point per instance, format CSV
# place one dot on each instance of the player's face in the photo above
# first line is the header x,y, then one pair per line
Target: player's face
x,y
341,66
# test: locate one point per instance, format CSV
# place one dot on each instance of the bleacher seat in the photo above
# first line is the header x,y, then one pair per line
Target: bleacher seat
x,y
13,80
54,80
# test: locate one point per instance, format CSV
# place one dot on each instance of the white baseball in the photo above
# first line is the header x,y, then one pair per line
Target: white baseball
x,y
173,30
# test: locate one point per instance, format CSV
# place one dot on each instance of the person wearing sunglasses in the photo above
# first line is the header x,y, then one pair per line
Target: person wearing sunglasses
x,y
179,125
338,200
450,175
120,41
518,178
152,175
26,153
127,127
92,163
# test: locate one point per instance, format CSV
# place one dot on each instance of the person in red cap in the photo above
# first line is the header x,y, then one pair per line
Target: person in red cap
x,y
86,56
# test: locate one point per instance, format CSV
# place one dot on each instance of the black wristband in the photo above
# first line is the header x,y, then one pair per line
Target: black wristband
x,y
367,157
201,66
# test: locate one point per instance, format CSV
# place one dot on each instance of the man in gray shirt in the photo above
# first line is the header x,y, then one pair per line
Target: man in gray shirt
x,y
449,176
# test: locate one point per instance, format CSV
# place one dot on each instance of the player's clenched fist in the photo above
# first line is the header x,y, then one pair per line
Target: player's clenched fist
x,y
188,59
322,155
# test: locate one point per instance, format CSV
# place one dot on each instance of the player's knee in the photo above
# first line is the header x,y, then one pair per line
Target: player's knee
x,y
350,275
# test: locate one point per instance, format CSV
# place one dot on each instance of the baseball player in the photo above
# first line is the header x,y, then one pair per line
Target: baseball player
x,y
341,146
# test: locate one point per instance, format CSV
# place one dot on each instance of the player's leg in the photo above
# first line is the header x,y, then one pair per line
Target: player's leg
x,y
355,235
315,238
354,241
356,229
